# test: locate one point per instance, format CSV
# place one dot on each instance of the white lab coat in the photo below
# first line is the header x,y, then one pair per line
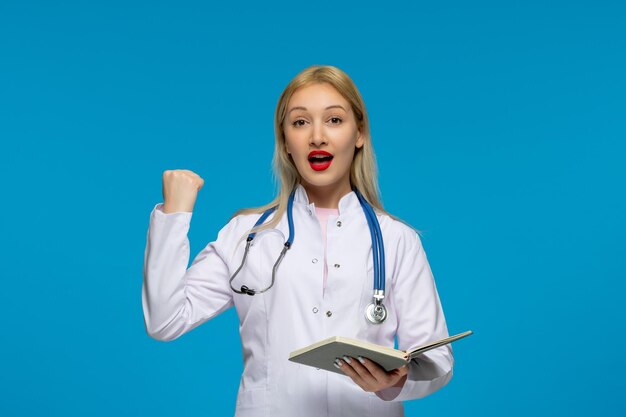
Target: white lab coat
x,y
297,311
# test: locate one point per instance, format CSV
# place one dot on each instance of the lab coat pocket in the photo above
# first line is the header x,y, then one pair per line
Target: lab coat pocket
x,y
378,407
252,402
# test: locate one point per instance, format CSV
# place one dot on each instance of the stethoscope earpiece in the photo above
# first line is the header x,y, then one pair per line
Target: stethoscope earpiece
x,y
246,290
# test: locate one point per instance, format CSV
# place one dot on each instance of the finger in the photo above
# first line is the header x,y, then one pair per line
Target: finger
x,y
377,371
349,371
359,374
397,374
384,378
403,370
361,370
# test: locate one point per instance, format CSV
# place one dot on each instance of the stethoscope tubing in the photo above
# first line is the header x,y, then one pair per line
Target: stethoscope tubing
x,y
375,312
378,251
292,231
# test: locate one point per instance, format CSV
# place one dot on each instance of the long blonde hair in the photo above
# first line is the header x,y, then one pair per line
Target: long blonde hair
x,y
363,171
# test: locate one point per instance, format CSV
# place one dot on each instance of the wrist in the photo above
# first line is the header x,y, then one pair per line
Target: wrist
x,y
172,208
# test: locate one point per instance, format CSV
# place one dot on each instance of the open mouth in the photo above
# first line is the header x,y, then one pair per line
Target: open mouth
x,y
320,160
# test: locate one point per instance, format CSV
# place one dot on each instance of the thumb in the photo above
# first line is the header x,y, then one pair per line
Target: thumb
x,y
403,370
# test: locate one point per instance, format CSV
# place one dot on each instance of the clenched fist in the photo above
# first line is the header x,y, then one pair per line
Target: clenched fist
x,y
180,189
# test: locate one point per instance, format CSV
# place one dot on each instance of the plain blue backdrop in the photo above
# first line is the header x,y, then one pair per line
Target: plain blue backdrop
x,y
499,129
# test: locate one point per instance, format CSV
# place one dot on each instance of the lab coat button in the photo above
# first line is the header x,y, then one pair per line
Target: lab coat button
x,y
337,265
338,223
329,313
314,260
315,310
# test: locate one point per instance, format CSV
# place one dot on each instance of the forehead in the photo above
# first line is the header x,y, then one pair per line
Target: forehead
x,y
316,96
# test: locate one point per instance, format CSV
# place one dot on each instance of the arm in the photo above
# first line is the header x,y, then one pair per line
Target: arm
x,y
420,320
175,299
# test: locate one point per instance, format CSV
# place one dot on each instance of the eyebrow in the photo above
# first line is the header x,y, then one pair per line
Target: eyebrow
x,y
334,106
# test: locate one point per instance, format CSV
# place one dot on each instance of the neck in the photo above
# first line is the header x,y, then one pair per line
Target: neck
x,y
327,196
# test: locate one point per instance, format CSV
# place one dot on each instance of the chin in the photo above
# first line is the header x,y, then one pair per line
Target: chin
x,y
320,182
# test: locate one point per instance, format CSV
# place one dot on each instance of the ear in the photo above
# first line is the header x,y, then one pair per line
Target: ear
x,y
360,140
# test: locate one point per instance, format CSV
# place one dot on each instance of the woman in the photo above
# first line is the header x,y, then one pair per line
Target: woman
x,y
323,284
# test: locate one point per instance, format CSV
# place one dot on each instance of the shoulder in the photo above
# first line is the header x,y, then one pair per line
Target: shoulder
x,y
233,234
239,224
398,233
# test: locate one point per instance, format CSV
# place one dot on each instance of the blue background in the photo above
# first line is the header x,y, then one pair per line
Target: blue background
x,y
499,130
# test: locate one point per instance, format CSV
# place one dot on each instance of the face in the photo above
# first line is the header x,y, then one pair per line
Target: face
x,y
321,135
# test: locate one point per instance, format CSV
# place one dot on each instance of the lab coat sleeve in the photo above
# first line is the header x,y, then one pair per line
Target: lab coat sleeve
x,y
175,299
420,320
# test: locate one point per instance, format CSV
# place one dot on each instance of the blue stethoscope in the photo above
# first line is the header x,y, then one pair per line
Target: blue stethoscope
x,y
376,312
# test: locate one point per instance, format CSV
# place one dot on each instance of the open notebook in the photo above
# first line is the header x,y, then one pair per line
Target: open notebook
x,y
323,353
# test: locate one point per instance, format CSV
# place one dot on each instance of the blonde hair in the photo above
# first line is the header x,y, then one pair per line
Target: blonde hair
x,y
363,170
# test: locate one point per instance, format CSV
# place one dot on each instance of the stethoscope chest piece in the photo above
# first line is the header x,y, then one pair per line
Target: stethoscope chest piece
x,y
376,313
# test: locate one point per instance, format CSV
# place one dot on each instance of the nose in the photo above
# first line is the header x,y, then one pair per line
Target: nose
x,y
317,135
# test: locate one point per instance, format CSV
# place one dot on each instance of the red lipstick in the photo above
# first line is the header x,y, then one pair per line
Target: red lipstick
x,y
320,160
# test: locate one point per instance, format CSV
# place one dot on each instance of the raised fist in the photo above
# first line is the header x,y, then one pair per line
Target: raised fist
x,y
180,189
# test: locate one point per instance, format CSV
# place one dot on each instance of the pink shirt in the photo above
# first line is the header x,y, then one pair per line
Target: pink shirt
x,y
322,216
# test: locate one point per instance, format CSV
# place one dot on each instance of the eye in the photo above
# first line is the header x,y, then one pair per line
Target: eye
x,y
335,120
298,122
